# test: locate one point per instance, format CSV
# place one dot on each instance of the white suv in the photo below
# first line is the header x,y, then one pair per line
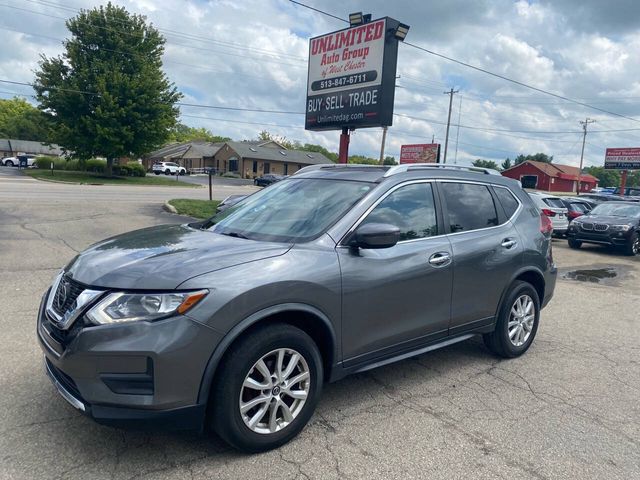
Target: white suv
x,y
552,207
15,161
168,168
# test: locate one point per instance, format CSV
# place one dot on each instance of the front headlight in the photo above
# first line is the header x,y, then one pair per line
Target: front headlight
x,y
621,228
132,307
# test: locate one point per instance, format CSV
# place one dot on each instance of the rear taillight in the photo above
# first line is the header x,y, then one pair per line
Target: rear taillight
x,y
545,224
548,213
572,214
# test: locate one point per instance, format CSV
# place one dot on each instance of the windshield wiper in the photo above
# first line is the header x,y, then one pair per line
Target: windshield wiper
x,y
234,235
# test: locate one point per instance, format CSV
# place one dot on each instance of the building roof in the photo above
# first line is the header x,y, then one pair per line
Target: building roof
x,y
556,170
29,146
194,149
249,150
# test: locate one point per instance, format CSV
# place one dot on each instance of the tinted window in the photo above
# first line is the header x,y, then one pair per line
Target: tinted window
x,y
469,206
411,209
579,207
507,200
553,202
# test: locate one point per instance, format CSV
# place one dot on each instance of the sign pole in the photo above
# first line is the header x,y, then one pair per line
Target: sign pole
x,y
384,138
623,182
343,155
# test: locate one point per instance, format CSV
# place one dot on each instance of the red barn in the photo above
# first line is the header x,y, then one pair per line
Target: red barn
x,y
550,177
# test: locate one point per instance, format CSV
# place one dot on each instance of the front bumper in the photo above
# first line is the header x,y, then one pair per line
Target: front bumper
x,y
613,238
142,374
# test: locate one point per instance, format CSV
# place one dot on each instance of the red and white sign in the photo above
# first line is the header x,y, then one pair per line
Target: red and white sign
x,y
622,158
420,153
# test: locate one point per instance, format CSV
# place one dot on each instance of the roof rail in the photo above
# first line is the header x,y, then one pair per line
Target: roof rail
x,y
419,166
321,166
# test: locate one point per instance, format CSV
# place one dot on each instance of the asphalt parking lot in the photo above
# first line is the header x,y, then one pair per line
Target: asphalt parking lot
x,y
567,409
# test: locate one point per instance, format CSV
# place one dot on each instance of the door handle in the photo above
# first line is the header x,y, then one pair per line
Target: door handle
x,y
508,243
440,259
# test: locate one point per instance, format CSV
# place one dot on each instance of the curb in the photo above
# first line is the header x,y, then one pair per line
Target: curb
x,y
169,208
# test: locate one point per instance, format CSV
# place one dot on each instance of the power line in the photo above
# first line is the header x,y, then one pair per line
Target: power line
x,y
240,109
488,72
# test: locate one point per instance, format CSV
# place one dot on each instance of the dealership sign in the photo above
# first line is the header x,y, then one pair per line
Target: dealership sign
x,y
420,153
622,158
351,79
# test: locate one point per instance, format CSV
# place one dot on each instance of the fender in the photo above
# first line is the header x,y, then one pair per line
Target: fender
x,y
527,269
235,332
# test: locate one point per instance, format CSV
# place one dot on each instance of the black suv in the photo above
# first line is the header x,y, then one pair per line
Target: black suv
x,y
236,322
616,224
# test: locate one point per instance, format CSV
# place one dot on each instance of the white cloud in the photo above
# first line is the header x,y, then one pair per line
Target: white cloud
x,y
252,54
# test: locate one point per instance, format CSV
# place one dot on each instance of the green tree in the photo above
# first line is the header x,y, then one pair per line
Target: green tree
x,y
107,94
363,160
538,157
506,164
389,160
182,133
264,135
22,121
485,164
606,178
311,147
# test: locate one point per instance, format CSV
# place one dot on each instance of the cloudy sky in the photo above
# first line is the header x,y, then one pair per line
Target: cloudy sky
x,y
252,54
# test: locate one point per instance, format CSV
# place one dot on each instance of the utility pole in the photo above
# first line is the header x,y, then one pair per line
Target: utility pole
x,y
384,138
455,158
584,124
446,140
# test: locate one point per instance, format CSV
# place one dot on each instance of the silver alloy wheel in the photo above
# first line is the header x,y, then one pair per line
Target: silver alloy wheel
x,y
274,391
635,247
521,318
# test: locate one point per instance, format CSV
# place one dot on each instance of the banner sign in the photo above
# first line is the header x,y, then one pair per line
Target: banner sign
x,y
622,158
420,153
351,79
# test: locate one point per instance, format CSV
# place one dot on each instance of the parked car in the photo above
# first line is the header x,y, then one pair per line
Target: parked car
x,y
168,168
632,193
616,224
552,207
601,197
15,161
230,201
268,179
576,206
236,322
603,190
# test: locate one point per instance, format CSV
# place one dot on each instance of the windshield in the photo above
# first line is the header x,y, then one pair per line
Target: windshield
x,y
553,202
293,210
617,210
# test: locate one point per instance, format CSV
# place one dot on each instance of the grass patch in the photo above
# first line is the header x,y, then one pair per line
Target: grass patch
x,y
195,208
97,178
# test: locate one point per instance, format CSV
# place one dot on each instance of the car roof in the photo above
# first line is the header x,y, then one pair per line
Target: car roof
x,y
381,173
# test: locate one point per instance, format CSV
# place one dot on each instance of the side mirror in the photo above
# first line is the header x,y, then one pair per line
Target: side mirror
x,y
375,235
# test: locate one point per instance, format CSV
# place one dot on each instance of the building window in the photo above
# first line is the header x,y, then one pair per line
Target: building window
x,y
286,169
267,167
255,167
233,164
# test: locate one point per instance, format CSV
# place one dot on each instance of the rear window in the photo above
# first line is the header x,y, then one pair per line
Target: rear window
x,y
469,206
579,207
507,200
553,202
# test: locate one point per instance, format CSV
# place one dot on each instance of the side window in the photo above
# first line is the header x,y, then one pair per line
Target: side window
x,y
469,206
507,200
410,208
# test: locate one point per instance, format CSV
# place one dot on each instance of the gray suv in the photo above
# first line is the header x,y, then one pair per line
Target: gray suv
x,y
235,323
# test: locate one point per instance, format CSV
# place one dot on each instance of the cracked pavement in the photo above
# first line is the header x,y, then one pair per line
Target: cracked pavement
x,y
567,409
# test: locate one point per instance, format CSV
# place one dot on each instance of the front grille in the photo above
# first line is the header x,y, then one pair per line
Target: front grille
x,y
66,295
587,226
600,227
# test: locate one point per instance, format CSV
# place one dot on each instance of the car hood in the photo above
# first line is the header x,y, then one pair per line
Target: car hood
x,y
163,257
606,219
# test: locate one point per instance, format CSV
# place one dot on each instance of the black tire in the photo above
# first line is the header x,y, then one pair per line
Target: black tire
x,y
167,172
8,163
181,172
632,248
574,243
498,341
157,173
225,417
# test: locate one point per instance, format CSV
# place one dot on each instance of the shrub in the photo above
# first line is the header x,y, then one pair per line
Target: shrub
x,y
44,162
136,169
230,175
121,170
72,165
94,165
